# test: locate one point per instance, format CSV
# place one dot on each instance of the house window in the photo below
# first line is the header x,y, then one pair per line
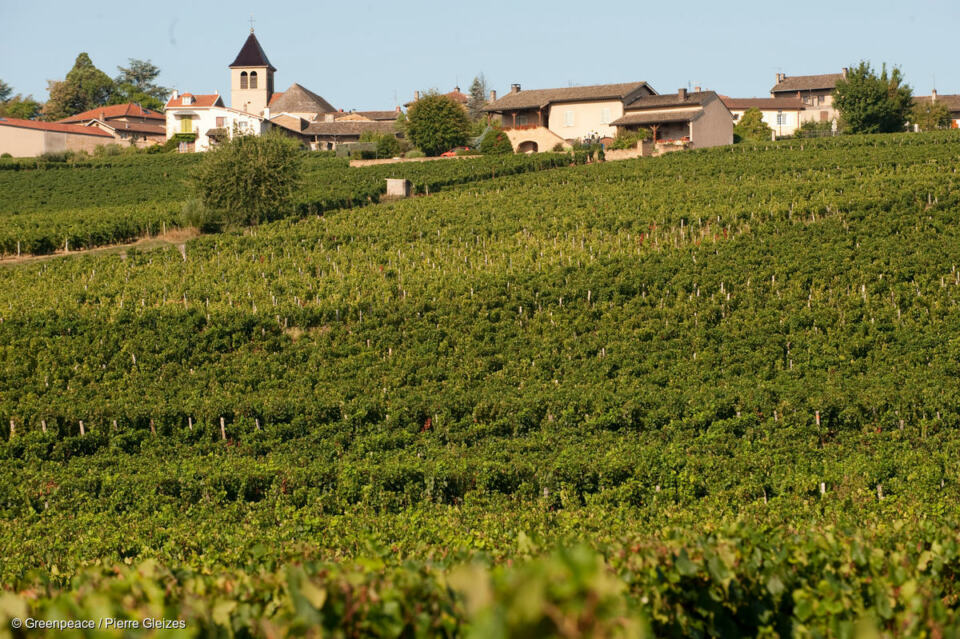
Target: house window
x,y
736,116
243,79
522,119
220,123
186,125
253,79
605,115
568,118
781,118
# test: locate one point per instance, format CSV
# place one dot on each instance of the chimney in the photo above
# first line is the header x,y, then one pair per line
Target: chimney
x,y
416,96
398,109
514,88
175,95
456,89
266,113
933,95
781,77
844,71
682,94
696,89
493,95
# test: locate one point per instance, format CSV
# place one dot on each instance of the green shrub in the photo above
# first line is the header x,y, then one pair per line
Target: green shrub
x,y
250,179
195,214
107,150
495,142
629,139
5,155
415,153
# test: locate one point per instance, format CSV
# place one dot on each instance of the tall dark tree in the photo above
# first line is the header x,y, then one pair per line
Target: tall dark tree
x,y
136,84
478,97
84,88
873,103
5,91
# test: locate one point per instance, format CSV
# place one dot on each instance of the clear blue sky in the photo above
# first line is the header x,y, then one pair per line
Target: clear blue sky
x,y
369,55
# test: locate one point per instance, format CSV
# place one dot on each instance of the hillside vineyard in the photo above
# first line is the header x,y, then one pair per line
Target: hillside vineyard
x,y
709,393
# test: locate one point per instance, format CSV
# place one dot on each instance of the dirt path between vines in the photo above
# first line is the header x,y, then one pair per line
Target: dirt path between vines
x,y
170,238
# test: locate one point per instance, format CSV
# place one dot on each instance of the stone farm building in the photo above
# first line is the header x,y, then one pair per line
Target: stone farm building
x,y
679,120
541,119
129,124
30,138
814,91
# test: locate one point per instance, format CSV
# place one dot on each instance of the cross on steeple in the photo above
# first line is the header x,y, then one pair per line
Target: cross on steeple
x,y
251,23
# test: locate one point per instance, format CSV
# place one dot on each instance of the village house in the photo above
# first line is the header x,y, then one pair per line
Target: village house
x,y
679,120
542,119
815,91
30,138
460,98
202,121
952,102
782,115
129,124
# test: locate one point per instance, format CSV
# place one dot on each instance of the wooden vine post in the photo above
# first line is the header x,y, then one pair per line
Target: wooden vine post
x,y
13,429
82,430
153,429
223,430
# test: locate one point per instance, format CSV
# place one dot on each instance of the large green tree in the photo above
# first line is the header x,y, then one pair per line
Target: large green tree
x,y
136,84
18,106
25,108
85,87
752,127
435,124
869,102
930,115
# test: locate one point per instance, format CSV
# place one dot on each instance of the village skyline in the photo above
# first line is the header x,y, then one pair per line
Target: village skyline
x,y
350,53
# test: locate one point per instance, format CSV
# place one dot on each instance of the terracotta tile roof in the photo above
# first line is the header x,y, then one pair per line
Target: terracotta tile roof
x,y
952,102
347,128
252,55
764,104
657,117
298,99
201,100
378,116
672,100
807,83
539,98
136,127
54,126
130,110
456,96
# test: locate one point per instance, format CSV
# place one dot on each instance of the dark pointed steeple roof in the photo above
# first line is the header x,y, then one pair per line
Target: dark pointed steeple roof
x,y
252,55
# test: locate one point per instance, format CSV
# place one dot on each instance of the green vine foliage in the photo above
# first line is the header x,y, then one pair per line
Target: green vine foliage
x,y
708,394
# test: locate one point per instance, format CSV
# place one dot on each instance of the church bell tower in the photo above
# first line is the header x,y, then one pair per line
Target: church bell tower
x,y
251,78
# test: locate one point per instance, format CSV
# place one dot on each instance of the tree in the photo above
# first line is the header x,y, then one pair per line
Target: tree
x,y
435,124
752,127
25,108
871,103
387,144
136,84
478,97
5,91
930,115
249,179
85,87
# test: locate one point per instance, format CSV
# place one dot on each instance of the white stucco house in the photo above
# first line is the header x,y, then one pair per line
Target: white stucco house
x,y
200,121
783,115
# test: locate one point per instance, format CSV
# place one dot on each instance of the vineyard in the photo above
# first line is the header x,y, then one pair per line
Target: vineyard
x,y
53,206
709,394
